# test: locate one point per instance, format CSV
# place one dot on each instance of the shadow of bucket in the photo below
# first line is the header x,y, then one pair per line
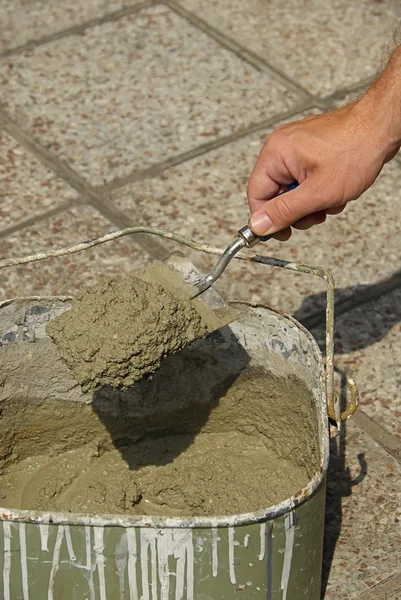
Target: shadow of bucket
x,y
274,553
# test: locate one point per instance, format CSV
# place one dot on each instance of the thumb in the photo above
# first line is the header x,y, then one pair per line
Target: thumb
x,y
284,210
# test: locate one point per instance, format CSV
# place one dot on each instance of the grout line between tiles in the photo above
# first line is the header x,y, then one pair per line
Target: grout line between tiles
x,y
381,591
157,169
94,197
261,64
359,86
146,241
241,51
42,216
258,62
80,28
378,433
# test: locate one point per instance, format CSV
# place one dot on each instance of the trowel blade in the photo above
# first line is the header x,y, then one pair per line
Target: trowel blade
x,y
176,273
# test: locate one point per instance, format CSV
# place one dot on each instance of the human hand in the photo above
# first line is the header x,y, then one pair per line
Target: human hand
x,y
334,157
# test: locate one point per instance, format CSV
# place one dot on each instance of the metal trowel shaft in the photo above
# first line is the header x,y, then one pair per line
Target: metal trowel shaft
x,y
246,239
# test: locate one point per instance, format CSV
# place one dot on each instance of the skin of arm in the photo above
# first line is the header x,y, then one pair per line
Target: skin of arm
x,y
334,157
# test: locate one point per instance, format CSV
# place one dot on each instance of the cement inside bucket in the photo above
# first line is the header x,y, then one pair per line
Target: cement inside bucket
x,y
218,430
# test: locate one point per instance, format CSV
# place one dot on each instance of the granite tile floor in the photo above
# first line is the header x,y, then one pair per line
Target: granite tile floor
x,y
121,112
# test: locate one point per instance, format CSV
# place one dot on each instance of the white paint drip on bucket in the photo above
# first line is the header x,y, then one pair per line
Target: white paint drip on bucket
x,y
121,562
24,564
215,557
55,561
7,559
262,541
132,558
100,560
289,547
231,532
44,537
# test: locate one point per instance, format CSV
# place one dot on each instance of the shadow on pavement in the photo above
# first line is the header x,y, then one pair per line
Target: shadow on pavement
x,y
350,335
339,486
353,337
374,327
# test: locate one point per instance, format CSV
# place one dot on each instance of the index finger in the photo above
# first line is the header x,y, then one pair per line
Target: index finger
x,y
269,178
261,187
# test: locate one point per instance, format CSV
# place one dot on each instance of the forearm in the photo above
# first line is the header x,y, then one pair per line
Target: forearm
x,y
381,105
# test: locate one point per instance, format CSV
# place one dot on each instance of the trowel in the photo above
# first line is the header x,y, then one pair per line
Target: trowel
x,y
119,355
145,334
177,273
217,312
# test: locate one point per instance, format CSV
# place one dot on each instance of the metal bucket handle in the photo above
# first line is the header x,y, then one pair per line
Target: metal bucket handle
x,y
333,402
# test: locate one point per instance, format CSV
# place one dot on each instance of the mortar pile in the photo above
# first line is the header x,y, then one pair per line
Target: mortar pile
x,y
118,332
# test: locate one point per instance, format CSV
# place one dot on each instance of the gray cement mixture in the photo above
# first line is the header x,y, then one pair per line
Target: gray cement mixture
x,y
251,453
209,434
118,332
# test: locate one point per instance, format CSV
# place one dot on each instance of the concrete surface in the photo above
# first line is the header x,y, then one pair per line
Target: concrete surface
x,y
118,113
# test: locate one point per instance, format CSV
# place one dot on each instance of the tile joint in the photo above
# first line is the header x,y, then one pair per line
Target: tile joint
x,y
80,28
241,51
38,218
339,94
95,197
358,298
386,440
380,591
155,170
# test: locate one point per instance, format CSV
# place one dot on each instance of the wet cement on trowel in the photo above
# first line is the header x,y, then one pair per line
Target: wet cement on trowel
x,y
117,332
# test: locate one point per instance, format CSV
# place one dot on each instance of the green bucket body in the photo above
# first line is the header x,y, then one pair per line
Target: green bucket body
x,y
272,559
273,554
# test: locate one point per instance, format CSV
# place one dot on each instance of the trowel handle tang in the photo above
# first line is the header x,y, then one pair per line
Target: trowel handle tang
x,y
251,238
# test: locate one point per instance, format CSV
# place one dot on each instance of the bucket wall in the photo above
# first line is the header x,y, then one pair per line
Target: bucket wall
x,y
277,558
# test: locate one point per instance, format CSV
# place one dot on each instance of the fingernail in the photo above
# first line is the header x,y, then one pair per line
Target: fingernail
x,y
260,224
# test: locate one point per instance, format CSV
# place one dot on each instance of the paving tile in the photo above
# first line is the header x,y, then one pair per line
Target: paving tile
x,y
26,20
27,188
205,198
64,275
368,344
322,45
364,503
131,93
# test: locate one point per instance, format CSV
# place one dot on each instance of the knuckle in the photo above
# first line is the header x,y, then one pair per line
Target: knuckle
x,y
273,140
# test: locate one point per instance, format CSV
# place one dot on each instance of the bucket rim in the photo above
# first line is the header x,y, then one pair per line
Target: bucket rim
x,y
201,522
